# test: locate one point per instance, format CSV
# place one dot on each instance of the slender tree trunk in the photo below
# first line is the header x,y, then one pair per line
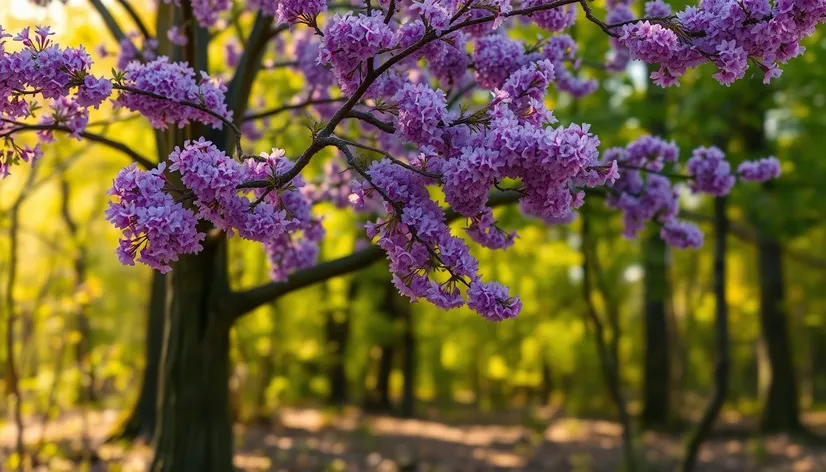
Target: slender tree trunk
x,y
193,431
656,393
379,399
781,410
721,369
382,401
338,335
657,372
140,422
404,308
547,386
608,364
817,335
268,369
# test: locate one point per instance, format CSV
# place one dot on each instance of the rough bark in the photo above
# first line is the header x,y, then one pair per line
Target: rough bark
x,y
193,430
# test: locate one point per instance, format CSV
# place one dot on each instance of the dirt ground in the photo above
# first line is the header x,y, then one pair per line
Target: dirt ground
x,y
313,440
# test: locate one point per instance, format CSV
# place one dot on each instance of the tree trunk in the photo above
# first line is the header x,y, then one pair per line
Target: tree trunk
x,y
382,396
547,386
140,423
193,431
721,339
781,410
817,336
338,334
657,374
405,309
607,361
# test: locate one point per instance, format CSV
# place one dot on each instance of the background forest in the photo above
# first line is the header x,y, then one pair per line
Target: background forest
x,y
346,375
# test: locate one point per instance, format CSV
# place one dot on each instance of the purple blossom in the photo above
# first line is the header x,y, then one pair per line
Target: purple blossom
x,y
156,229
93,91
492,301
496,57
682,235
299,11
349,40
761,170
555,19
176,82
207,11
710,171
422,114
177,36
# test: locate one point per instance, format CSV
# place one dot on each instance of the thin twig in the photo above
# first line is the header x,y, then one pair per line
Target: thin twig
x,y
141,160
296,106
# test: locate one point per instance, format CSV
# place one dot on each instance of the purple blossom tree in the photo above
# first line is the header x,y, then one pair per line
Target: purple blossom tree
x,y
396,69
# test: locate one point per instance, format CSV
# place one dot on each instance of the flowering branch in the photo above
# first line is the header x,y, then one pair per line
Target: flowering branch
x,y
339,141
197,106
246,301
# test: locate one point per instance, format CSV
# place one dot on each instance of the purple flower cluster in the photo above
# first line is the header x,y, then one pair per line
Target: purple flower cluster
x,y
759,171
727,33
129,51
509,139
349,41
156,229
207,11
642,195
619,55
483,231
281,219
492,301
422,114
710,171
554,19
41,71
419,244
496,57
299,11
176,82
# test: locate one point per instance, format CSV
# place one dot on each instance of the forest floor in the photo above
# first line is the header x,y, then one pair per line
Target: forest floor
x,y
315,440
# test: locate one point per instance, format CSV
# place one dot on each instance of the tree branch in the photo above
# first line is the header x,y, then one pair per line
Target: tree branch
x,y
141,160
296,106
369,118
135,17
111,24
197,106
240,86
241,303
